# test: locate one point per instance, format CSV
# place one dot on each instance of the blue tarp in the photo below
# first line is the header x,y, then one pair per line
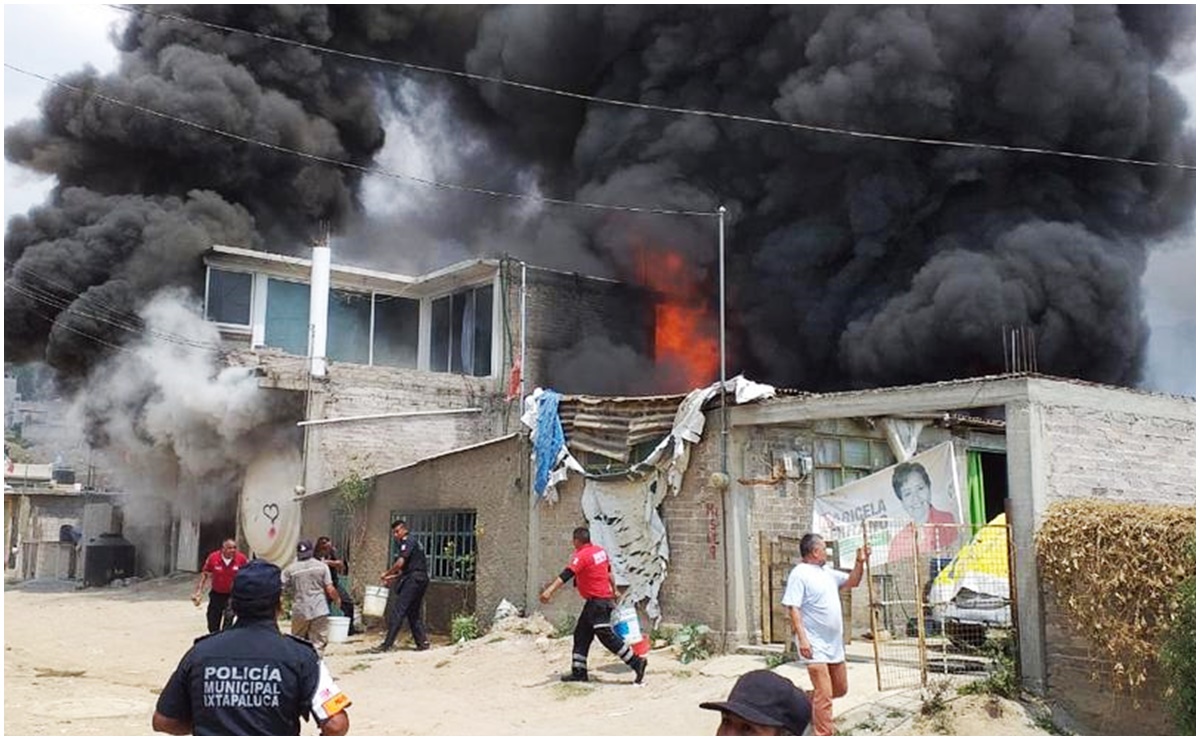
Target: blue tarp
x,y
548,441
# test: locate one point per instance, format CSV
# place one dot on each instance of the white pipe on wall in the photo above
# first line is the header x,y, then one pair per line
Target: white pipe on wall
x,y
318,308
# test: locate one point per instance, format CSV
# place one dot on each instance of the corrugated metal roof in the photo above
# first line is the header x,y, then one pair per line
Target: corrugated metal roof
x,y
611,427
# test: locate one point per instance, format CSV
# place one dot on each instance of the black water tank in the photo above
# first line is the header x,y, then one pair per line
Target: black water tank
x,y
107,557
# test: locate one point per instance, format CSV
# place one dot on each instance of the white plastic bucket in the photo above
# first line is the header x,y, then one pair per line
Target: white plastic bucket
x,y
339,629
626,625
375,601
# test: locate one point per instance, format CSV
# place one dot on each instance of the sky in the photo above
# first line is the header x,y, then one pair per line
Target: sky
x,y
55,39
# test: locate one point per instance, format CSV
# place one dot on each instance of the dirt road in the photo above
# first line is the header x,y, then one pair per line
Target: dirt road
x,y
92,663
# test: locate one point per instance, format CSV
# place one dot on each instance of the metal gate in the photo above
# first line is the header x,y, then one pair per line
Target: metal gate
x,y
778,557
941,599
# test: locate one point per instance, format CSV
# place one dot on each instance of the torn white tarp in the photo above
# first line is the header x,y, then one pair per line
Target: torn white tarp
x,y
623,518
902,436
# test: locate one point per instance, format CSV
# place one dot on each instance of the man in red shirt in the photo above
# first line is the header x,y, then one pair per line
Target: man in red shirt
x,y
589,567
221,565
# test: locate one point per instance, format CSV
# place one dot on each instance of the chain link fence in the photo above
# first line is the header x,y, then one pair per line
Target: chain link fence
x,y
939,597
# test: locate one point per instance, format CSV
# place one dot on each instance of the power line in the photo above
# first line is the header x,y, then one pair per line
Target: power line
x,y
928,141
109,313
64,307
358,167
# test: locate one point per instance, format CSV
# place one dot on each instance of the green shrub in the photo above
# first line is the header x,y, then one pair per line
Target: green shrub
x,y
1002,679
774,660
1178,657
693,642
464,627
564,626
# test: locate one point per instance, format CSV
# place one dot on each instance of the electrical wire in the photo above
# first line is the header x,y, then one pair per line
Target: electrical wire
x,y
928,141
111,315
358,167
64,307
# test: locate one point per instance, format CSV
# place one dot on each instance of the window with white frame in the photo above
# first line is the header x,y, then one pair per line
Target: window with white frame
x,y
287,316
349,334
227,300
397,331
364,328
460,338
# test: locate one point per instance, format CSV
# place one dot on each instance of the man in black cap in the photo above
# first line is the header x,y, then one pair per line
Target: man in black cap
x,y
311,586
250,679
763,703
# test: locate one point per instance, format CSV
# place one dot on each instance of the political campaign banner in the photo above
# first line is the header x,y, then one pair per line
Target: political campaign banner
x,y
922,491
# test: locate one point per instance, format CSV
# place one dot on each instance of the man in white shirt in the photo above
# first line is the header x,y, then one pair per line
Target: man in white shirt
x,y
815,608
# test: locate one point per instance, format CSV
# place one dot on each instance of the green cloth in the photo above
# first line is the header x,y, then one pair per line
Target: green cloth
x,y
976,504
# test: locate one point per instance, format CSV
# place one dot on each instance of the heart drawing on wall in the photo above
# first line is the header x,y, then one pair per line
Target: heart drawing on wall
x,y
271,511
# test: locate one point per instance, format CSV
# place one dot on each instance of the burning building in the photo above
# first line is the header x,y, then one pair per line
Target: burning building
x,y
853,261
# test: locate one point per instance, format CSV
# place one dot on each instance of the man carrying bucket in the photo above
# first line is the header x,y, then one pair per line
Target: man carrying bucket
x,y
589,566
312,592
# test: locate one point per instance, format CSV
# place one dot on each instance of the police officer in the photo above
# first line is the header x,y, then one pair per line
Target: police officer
x,y
412,570
250,679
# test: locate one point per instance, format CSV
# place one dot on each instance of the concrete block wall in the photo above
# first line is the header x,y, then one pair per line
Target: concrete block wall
x,y
487,479
694,590
1119,456
553,550
564,308
376,445
1080,441
780,508
1077,679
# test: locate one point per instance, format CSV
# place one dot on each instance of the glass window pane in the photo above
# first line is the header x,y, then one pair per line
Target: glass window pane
x,y
349,335
881,455
483,331
287,316
828,451
439,338
826,480
228,299
856,453
397,325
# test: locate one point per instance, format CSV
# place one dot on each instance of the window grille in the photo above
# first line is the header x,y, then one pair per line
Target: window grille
x,y
448,539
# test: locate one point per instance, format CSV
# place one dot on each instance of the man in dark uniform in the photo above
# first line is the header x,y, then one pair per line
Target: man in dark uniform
x,y
589,567
328,554
411,574
250,679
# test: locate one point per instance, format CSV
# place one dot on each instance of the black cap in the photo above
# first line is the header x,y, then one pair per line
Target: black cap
x,y
766,698
304,550
256,589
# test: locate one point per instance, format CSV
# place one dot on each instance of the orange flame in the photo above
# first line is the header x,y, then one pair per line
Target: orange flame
x,y
684,344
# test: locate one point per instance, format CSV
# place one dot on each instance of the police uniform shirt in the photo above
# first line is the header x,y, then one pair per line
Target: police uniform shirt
x,y
414,557
248,680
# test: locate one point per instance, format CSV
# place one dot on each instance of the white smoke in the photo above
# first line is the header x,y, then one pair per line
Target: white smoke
x,y
175,422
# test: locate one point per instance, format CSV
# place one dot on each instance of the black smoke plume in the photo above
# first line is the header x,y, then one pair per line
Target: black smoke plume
x,y
853,262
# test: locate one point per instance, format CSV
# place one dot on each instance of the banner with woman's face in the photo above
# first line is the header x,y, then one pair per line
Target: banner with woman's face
x,y
923,490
